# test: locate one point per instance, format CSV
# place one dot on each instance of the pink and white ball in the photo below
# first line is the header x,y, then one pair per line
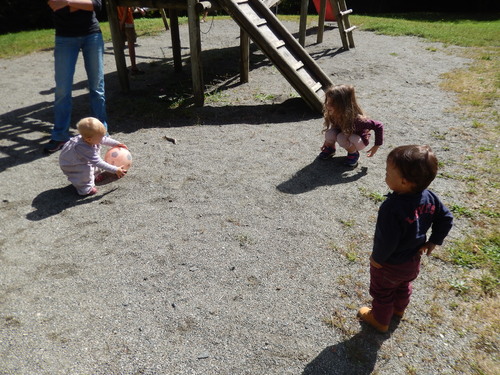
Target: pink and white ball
x,y
119,156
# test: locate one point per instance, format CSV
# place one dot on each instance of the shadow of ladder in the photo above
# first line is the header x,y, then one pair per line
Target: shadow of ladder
x,y
284,51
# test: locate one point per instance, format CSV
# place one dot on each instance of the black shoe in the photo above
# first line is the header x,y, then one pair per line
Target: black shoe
x,y
326,152
352,159
53,146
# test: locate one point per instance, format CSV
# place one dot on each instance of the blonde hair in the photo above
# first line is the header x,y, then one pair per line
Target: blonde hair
x,y
342,98
90,126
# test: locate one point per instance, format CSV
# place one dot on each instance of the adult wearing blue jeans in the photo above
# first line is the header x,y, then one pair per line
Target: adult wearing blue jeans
x,y
77,29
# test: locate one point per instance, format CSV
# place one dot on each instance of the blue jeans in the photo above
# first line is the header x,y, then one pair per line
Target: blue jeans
x,y
65,55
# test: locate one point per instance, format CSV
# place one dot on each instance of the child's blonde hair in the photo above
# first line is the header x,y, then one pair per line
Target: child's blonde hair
x,y
342,98
90,126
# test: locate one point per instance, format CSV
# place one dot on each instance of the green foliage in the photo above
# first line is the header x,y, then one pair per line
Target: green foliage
x,y
446,28
461,211
478,251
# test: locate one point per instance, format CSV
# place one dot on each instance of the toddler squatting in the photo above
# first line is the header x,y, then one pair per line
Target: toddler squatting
x,y
346,124
80,157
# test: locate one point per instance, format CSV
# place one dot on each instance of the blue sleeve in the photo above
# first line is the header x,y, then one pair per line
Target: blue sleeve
x,y
441,225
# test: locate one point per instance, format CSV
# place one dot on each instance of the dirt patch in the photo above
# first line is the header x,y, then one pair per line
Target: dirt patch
x,y
233,251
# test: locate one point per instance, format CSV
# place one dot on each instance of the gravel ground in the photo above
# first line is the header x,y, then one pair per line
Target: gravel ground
x,y
233,251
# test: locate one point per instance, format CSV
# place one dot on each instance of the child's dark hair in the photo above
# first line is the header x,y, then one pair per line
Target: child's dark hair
x,y
417,164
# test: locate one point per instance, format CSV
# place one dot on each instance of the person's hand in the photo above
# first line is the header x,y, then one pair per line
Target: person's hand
x,y
426,248
121,172
57,4
372,151
375,264
122,146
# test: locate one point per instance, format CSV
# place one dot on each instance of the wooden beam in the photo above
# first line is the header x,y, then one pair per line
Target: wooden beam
x,y
176,39
164,18
244,56
155,4
321,21
118,43
195,49
304,4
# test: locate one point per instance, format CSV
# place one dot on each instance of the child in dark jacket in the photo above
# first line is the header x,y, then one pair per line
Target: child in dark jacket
x,y
401,232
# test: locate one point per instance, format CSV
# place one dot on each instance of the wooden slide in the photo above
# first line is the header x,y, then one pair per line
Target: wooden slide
x,y
281,48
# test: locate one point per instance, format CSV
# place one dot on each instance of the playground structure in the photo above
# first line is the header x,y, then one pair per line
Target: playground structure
x,y
257,23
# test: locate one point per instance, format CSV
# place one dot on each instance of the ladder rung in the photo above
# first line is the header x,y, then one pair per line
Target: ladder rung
x,y
260,22
279,43
298,65
241,1
317,86
346,12
350,29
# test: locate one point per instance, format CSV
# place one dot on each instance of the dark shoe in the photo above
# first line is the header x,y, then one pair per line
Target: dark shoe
x,y
53,146
326,152
352,159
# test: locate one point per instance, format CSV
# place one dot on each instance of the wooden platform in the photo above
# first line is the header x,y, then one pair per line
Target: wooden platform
x,y
256,22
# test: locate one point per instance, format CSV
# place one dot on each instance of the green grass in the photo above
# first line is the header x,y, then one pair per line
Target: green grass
x,y
466,30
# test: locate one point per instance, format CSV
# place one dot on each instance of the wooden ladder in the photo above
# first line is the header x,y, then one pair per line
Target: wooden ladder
x,y
291,59
344,25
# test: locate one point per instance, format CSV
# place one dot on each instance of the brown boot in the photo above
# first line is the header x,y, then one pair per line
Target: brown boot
x,y
398,314
366,315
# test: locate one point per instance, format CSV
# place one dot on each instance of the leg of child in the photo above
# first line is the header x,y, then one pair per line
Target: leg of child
x,y
82,179
382,289
351,143
328,148
130,33
403,292
330,138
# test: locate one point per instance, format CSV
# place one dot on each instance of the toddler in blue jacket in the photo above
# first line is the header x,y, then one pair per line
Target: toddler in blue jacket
x,y
403,221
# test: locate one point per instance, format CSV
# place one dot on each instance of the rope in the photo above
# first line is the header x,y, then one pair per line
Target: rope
x,y
210,28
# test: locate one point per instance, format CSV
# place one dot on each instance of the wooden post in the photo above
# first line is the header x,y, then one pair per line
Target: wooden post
x,y
347,23
118,43
176,39
195,47
321,21
164,18
304,4
244,56
340,22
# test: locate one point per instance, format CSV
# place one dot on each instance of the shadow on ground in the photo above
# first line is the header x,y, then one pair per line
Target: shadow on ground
x,y
149,104
354,356
321,173
54,201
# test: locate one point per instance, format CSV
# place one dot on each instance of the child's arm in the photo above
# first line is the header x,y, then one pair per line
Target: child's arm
x,y
378,129
108,141
427,248
372,151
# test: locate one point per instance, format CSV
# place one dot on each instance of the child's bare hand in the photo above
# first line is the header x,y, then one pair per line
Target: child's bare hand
x,y
372,151
121,172
122,145
427,248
